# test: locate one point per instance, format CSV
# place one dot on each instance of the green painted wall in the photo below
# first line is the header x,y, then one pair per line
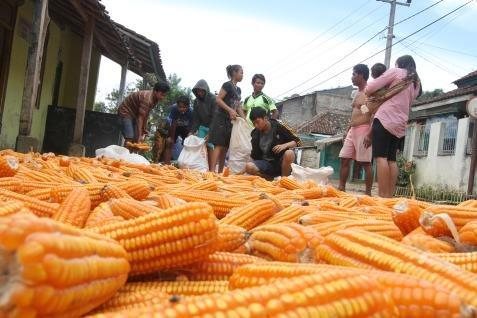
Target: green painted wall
x,y
63,45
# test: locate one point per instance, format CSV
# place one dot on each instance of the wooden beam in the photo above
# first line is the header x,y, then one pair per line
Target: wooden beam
x,y
122,83
35,54
83,81
77,5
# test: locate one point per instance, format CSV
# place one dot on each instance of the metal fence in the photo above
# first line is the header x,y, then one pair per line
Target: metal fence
x,y
449,136
422,140
434,195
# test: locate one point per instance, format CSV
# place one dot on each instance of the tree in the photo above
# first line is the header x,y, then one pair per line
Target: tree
x,y
431,94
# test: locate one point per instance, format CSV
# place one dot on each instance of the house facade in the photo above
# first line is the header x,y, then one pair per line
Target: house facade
x,y
50,58
439,137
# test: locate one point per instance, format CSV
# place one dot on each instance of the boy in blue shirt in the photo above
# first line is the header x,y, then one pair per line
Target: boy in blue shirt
x,y
180,121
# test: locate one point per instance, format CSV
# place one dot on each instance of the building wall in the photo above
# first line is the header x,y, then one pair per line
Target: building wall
x,y
310,158
63,45
449,170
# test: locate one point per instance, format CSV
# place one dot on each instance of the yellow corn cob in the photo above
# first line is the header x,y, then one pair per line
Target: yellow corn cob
x,y
101,215
438,225
180,288
412,296
366,200
40,194
33,175
28,186
289,183
380,252
290,214
217,266
130,300
285,242
12,207
460,215
231,237
209,185
380,210
304,296
165,200
75,209
348,202
406,215
111,191
466,261
8,166
46,268
12,184
290,195
38,207
251,215
58,194
137,189
319,217
166,239
385,228
312,193
219,202
468,233
425,242
80,174
130,208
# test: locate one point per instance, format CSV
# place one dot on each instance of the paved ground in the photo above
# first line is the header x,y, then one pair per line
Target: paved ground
x,y
357,187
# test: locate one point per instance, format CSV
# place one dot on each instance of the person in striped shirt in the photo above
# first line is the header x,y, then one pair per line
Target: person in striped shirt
x,y
135,108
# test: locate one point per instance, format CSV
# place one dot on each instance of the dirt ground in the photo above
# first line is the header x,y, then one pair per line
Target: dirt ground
x,y
357,187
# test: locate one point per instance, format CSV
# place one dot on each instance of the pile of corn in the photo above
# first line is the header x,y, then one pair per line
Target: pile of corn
x,y
106,238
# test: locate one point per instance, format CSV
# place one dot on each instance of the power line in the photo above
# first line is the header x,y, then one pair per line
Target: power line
x,y
360,7
357,48
408,36
447,49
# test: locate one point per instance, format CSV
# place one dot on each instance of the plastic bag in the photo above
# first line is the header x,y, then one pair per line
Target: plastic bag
x,y
240,146
120,153
319,176
194,154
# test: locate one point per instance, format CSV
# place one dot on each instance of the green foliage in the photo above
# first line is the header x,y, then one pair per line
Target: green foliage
x,y
406,169
431,94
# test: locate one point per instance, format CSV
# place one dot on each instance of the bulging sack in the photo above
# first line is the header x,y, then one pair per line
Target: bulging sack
x,y
120,153
320,176
194,154
240,146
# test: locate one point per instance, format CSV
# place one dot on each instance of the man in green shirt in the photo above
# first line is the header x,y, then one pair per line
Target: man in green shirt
x,y
259,99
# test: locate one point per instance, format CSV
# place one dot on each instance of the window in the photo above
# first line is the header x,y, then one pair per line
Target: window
x,y
448,137
470,132
422,140
407,138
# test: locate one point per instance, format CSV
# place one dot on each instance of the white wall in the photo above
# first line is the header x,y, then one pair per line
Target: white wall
x,y
449,170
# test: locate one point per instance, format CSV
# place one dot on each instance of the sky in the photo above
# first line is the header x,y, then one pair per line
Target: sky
x,y
300,46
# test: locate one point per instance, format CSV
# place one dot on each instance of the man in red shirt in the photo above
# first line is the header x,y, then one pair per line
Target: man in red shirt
x,y
134,111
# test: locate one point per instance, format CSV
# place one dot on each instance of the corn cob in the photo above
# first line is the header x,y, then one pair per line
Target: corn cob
x,y
366,200
101,215
383,253
285,242
438,225
33,175
419,239
466,261
130,208
319,217
75,209
166,201
80,174
468,233
217,266
166,239
231,237
58,194
46,268
137,189
181,288
209,185
379,210
385,228
111,191
305,296
130,300
40,194
412,296
290,214
28,186
8,166
406,215
251,215
348,202
289,183
38,207
312,193
12,207
12,184
220,203
460,215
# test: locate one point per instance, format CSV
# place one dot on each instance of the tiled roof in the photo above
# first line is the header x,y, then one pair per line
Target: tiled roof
x,y
328,123
454,93
471,74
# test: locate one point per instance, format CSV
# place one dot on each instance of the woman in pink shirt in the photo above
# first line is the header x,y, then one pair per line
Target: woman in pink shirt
x,y
389,124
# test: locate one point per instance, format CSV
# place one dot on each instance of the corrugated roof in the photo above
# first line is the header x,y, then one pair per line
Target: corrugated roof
x,y
328,123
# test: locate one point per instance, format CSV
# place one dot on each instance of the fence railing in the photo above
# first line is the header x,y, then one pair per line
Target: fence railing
x,y
434,195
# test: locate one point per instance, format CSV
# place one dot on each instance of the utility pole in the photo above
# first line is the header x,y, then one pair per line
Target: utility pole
x,y
390,35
